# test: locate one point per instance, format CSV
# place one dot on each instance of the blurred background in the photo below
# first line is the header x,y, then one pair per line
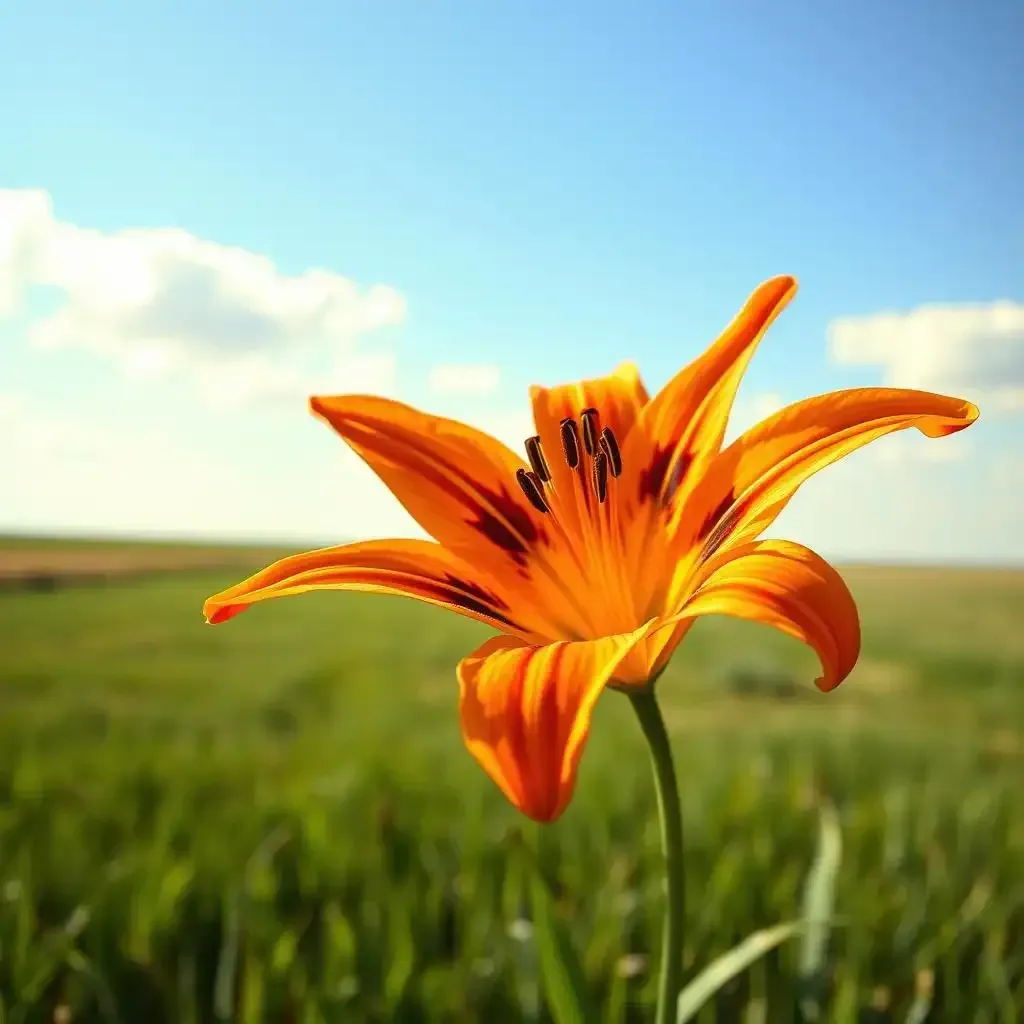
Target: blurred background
x,y
209,212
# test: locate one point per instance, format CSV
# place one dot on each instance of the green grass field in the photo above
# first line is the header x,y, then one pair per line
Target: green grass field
x,y
276,820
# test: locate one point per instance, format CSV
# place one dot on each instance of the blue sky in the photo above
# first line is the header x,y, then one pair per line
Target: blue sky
x,y
544,190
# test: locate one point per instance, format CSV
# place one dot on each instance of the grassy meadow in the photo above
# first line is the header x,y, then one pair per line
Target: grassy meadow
x,y
275,820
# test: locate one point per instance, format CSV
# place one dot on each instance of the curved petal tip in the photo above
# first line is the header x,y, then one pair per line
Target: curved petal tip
x,y
961,415
215,613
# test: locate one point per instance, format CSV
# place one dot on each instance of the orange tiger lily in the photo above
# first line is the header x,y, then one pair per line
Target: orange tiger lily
x,y
593,557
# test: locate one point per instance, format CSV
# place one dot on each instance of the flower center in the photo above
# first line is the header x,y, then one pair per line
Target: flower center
x,y
600,447
589,555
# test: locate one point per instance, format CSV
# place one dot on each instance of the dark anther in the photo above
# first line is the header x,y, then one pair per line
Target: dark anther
x,y
611,448
538,463
601,475
589,419
571,442
531,488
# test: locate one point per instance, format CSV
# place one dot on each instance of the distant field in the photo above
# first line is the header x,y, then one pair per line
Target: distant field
x,y
27,560
275,819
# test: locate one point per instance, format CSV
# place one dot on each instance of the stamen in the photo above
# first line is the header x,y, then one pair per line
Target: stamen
x,y
589,419
601,476
610,447
571,442
539,464
531,488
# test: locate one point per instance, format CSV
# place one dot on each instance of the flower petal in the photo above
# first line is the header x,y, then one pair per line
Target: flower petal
x,y
460,485
619,397
787,586
457,482
526,713
677,434
683,425
749,483
414,568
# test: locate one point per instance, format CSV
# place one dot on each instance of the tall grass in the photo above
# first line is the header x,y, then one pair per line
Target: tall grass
x,y
275,820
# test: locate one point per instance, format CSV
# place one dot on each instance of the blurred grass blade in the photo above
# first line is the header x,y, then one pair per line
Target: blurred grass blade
x,y
401,953
922,1005
721,971
818,909
227,961
101,992
562,976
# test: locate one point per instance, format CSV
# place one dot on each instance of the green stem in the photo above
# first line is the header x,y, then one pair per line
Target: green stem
x,y
653,725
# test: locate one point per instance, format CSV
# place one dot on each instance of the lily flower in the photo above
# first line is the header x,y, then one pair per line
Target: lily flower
x,y
627,521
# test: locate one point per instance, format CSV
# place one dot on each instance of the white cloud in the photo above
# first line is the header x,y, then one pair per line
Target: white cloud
x,y
67,473
161,300
1008,471
364,373
10,408
976,352
295,480
248,378
23,219
258,377
464,379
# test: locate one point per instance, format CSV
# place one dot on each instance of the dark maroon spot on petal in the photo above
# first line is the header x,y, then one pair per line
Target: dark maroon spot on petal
x,y
652,479
676,476
508,526
589,420
468,596
570,442
496,515
712,520
480,593
522,536
717,527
